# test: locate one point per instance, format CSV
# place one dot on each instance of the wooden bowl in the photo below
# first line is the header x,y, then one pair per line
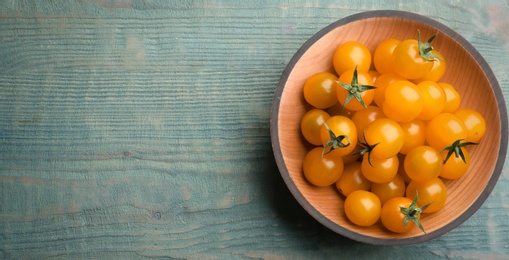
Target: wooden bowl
x,y
466,70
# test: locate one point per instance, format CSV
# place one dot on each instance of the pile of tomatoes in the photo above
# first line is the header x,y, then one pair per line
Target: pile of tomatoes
x,y
386,131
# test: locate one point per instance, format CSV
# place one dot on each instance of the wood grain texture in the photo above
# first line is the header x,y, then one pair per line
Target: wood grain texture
x,y
139,129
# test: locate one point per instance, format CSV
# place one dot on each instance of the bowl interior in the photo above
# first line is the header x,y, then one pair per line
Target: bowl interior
x,y
463,72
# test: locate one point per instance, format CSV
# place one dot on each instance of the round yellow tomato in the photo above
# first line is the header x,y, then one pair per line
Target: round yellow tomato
x,y
311,123
423,163
455,167
474,123
379,170
386,136
392,215
444,129
432,192
362,208
403,101
382,57
320,90
350,55
407,61
322,170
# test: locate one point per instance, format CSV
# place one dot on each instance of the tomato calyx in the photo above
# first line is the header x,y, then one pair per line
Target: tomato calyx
x,y
367,149
412,212
334,141
425,48
456,149
355,89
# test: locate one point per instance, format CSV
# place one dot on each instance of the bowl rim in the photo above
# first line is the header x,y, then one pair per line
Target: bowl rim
x,y
274,116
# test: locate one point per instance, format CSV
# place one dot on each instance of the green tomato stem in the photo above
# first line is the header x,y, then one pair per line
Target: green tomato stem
x,y
355,89
456,149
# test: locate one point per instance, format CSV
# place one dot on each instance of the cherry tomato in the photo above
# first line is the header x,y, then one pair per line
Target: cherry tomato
x,y
320,90
403,101
362,208
322,170
381,84
452,97
437,71
431,191
388,190
381,170
367,96
352,179
393,218
423,163
340,125
387,135
414,133
350,55
311,123
445,129
407,61
382,57
455,167
474,123
364,117
434,99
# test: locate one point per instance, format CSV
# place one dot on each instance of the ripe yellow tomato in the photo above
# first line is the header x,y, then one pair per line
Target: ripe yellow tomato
x,y
379,170
362,208
322,170
387,135
423,163
433,192
444,129
350,55
311,123
407,61
474,123
455,167
382,57
392,216
320,90
403,101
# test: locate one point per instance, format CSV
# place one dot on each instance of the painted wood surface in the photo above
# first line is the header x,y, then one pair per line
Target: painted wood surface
x,y
140,129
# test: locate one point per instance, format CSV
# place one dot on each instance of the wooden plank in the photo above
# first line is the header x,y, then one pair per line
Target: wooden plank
x,y
139,129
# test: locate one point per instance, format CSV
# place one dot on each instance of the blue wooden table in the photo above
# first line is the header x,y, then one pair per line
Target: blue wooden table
x,y
140,129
